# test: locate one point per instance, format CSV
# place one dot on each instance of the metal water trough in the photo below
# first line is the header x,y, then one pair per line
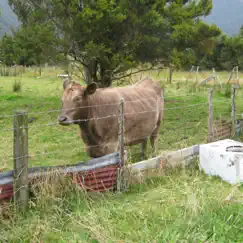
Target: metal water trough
x,y
97,175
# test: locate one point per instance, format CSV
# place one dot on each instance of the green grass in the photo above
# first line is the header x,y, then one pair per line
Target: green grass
x,y
184,124
183,206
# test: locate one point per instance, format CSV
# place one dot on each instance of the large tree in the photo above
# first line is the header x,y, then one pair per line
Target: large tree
x,y
110,37
7,50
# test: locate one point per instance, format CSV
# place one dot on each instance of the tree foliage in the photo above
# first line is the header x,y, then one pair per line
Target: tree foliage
x,y
7,50
109,37
227,53
30,45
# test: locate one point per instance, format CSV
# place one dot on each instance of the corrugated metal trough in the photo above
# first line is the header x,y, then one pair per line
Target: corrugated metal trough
x,y
97,175
222,130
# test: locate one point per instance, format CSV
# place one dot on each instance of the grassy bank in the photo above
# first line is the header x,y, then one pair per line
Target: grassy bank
x,y
180,207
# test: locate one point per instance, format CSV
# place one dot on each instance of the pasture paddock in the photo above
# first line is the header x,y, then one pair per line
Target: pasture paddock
x,y
185,122
183,205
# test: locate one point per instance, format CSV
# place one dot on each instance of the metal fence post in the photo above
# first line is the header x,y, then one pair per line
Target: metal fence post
x,y
120,171
21,190
233,110
170,74
237,74
210,115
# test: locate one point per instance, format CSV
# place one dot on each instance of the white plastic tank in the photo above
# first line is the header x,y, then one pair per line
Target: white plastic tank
x,y
224,159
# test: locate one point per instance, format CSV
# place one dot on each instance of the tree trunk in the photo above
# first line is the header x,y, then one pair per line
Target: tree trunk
x,y
105,78
87,76
90,72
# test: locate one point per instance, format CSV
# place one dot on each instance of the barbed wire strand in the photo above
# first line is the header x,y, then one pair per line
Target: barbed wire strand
x,y
30,106
83,107
95,146
113,116
110,116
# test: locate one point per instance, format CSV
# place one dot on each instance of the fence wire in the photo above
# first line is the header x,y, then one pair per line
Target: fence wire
x,y
180,131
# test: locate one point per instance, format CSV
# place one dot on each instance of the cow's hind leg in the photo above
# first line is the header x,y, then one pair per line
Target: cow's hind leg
x,y
153,138
144,149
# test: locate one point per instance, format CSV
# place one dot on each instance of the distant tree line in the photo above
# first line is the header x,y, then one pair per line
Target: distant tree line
x,y
110,37
226,54
29,45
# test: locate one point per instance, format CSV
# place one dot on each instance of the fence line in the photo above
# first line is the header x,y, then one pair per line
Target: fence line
x,y
94,146
92,106
37,154
113,116
209,104
83,107
168,130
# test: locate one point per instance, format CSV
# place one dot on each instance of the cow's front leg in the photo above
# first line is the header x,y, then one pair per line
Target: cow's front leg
x,y
144,149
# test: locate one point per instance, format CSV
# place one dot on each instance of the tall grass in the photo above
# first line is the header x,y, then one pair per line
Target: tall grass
x,y
182,206
228,90
17,86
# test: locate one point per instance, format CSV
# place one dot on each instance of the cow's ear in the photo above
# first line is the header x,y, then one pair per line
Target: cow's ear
x,y
90,89
66,83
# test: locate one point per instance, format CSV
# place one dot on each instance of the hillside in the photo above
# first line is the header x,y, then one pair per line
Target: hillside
x,y
227,15
7,19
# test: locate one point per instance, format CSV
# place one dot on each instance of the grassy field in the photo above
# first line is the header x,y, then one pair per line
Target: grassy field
x,y
184,124
183,206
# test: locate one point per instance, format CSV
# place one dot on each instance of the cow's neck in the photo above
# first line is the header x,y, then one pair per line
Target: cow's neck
x,y
88,127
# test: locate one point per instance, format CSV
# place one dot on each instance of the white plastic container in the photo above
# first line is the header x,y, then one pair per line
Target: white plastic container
x,y
224,159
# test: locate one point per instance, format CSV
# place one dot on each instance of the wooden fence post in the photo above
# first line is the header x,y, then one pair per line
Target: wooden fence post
x,y
216,77
197,74
170,74
210,115
121,132
233,110
21,190
231,75
40,71
190,74
120,171
237,74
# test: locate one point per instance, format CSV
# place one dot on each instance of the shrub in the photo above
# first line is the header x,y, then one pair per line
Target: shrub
x,y
193,88
227,92
17,86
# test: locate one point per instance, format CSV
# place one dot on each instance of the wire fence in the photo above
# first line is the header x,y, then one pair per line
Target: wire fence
x,y
185,123
182,123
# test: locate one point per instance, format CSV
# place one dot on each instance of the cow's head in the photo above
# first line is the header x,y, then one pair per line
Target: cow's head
x,y
74,102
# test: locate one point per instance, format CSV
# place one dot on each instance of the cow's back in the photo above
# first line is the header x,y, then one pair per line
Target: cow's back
x,y
142,110
148,83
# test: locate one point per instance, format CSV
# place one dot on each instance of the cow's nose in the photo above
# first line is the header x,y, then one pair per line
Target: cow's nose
x,y
62,118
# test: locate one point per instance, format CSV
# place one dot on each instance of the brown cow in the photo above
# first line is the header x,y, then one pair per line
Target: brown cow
x,y
96,111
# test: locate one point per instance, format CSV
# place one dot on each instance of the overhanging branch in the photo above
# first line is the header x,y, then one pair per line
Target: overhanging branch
x,y
152,68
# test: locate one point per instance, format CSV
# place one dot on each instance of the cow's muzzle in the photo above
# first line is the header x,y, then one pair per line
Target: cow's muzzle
x,y
63,120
